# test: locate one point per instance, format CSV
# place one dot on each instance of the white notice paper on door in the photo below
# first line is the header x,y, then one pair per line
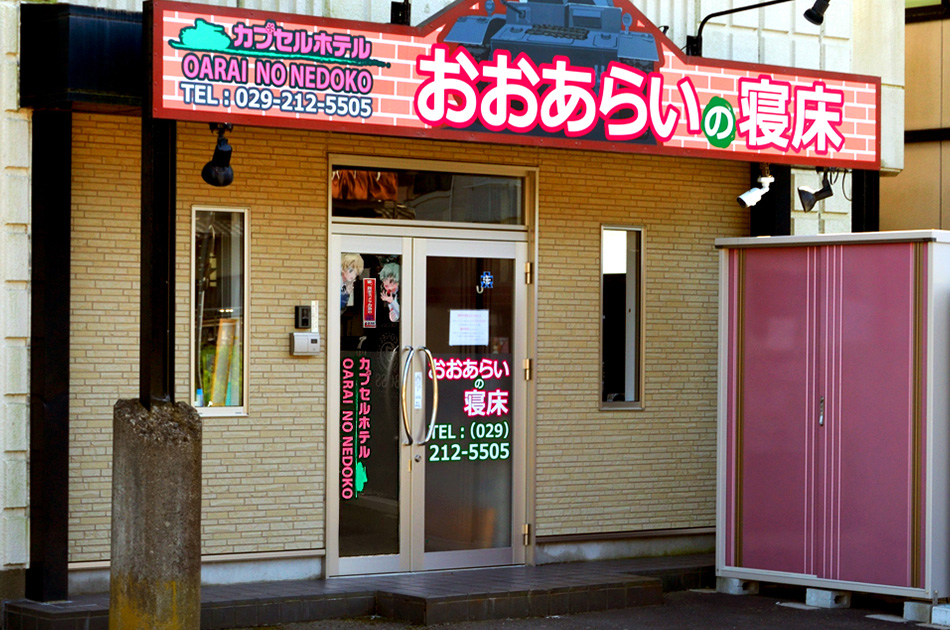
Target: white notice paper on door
x,y
468,328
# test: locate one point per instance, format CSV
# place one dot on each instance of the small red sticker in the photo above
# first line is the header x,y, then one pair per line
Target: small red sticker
x,y
369,303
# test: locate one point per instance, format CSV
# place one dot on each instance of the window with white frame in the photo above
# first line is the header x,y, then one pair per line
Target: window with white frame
x,y
219,285
621,313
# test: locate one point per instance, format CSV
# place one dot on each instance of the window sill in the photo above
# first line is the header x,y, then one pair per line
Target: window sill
x,y
221,412
621,406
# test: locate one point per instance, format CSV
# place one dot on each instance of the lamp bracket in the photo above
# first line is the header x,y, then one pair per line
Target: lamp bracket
x,y
694,43
220,128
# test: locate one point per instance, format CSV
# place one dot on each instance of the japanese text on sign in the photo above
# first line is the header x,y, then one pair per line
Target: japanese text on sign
x,y
476,409
369,303
520,96
468,328
467,368
355,425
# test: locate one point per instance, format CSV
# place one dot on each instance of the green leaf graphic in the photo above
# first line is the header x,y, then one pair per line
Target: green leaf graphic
x,y
361,477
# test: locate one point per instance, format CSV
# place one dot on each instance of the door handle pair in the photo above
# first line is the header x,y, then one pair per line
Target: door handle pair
x,y
411,352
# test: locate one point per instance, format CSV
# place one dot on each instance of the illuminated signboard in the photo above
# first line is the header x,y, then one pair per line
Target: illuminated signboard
x,y
559,74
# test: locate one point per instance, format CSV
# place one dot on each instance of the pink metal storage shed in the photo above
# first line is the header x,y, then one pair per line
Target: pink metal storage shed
x,y
833,411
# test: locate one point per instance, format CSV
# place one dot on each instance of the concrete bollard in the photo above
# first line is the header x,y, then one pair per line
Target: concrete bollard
x,y
155,580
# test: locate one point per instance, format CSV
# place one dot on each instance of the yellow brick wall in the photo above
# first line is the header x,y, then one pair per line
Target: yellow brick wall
x,y
613,471
264,474
104,310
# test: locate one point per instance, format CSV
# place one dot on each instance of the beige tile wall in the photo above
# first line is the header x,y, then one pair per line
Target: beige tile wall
x,y
264,474
605,471
103,360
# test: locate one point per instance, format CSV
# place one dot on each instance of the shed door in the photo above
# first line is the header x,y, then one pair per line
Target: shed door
x,y
829,439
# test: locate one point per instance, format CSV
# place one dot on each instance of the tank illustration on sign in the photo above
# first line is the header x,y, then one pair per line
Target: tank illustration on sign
x,y
591,33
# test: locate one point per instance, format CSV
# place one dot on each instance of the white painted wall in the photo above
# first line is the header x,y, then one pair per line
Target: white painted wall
x,y
862,36
878,49
14,300
858,36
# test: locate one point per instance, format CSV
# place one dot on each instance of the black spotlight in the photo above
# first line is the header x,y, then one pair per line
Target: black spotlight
x,y
218,171
809,196
816,14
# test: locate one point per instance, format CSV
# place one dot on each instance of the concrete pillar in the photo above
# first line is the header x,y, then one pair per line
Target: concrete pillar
x,y
155,580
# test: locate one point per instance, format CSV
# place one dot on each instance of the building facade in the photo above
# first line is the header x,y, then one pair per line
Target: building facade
x,y
565,462
915,198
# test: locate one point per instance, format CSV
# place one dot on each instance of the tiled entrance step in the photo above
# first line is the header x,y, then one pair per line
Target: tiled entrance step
x,y
419,598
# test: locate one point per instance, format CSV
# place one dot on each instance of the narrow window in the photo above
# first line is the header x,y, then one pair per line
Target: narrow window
x,y
621,256
220,299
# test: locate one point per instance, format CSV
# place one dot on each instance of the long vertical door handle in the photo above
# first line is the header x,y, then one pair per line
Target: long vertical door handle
x,y
821,411
435,395
410,352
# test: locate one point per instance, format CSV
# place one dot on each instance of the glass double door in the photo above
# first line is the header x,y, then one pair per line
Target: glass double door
x,y
426,431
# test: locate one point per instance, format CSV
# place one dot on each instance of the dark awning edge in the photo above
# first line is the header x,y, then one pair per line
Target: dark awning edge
x,y
80,58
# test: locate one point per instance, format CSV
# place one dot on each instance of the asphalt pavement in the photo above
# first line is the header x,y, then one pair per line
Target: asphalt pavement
x,y
777,609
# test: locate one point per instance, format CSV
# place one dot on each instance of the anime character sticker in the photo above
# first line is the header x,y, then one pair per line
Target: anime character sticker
x,y
389,276
351,266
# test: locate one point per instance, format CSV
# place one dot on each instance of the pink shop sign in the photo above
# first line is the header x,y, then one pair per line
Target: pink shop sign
x,y
568,75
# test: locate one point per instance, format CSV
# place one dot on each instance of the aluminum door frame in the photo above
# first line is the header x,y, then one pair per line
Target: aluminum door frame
x,y
414,249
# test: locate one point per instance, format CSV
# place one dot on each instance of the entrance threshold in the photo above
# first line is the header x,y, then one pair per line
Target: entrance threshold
x,y
417,598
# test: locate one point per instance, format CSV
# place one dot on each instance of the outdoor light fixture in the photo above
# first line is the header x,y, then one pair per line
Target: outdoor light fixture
x,y
809,196
694,43
816,14
218,171
752,196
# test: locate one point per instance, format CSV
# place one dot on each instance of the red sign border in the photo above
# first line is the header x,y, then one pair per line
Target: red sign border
x,y
458,9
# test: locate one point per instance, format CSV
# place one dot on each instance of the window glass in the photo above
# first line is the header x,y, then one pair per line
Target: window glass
x,y
370,422
620,316
219,324
427,196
